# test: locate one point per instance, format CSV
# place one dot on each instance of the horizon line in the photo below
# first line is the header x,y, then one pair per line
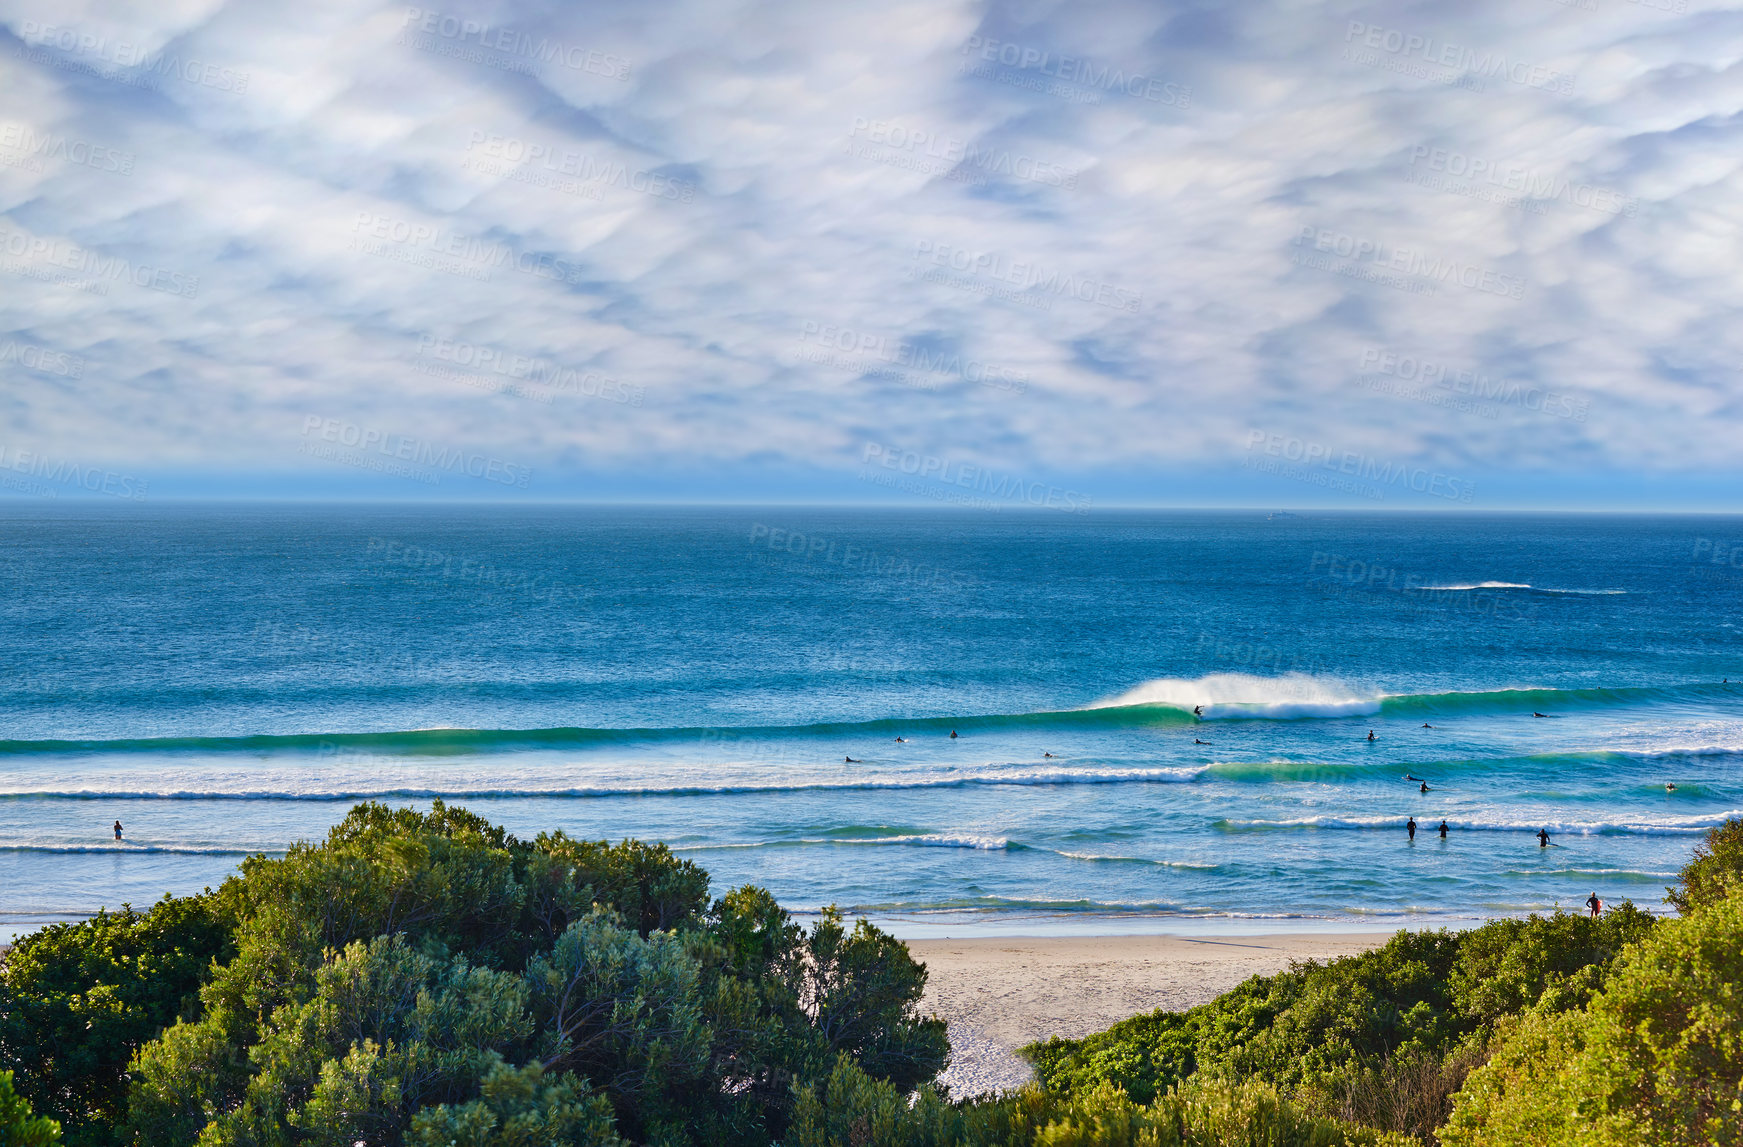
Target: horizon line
x,y
966,511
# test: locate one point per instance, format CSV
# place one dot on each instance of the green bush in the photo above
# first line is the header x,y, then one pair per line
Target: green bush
x,y
1384,1037
1656,1057
430,974
1714,873
429,979
19,1126
849,1109
77,1000
519,1108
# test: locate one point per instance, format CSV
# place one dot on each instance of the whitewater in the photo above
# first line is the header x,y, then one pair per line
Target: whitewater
x,y
1161,720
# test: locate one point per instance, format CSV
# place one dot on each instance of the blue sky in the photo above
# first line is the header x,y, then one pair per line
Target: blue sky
x,y
1397,255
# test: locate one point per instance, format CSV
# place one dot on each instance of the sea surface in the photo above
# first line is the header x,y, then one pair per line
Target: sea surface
x,y
229,679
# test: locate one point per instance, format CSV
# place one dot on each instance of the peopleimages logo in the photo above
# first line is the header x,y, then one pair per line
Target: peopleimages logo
x,y
47,145
877,348
1473,383
979,479
511,44
483,255
41,358
1432,268
415,451
1363,466
1531,186
1025,276
1467,61
1078,70
961,157
92,479
583,168
527,368
111,268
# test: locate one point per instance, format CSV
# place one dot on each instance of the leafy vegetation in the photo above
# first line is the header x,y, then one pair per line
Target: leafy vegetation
x,y
19,1125
1715,872
77,1000
1657,1056
1384,1037
429,980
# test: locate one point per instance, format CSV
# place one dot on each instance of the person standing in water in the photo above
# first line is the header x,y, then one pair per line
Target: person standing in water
x,y
117,830
1543,838
1370,734
1410,827
1443,829
1424,786
1594,904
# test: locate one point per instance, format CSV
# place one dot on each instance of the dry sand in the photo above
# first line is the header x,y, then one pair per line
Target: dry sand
x,y
1000,993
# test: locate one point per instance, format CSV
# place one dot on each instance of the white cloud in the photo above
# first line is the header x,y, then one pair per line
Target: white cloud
x,y
788,230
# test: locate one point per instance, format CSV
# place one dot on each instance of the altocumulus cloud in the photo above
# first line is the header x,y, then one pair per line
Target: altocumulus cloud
x,y
711,248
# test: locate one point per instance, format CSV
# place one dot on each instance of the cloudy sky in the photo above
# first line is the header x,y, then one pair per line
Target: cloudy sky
x,y
1415,256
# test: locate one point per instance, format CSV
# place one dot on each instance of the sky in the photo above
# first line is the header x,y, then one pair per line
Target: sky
x,y
985,256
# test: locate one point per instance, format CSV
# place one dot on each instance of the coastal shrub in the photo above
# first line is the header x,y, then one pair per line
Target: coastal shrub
x,y
519,1107
1656,1057
849,1109
420,975
77,1000
1384,1037
19,1125
1714,873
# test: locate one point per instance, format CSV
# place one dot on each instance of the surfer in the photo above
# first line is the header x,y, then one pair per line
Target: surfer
x,y
117,830
1046,754
1426,725
1410,827
1198,710
1670,786
1443,830
1370,734
1540,714
1424,786
1594,904
953,734
901,740
1543,838
1196,741
850,760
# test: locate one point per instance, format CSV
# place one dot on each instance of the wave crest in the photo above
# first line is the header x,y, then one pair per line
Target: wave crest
x,y
1690,827
1226,696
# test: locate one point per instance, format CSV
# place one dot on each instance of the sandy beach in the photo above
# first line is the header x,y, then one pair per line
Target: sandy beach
x,y
999,993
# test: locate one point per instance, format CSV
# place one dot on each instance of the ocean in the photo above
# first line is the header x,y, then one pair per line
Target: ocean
x,y
229,679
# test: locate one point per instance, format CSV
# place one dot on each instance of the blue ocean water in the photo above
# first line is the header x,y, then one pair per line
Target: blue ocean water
x,y
228,679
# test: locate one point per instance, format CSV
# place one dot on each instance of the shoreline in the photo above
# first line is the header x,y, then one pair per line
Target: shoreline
x,y
913,928
1001,992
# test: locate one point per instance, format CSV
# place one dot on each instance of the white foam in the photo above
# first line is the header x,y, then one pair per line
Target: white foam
x,y
1517,585
938,840
1244,695
923,840
1690,827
